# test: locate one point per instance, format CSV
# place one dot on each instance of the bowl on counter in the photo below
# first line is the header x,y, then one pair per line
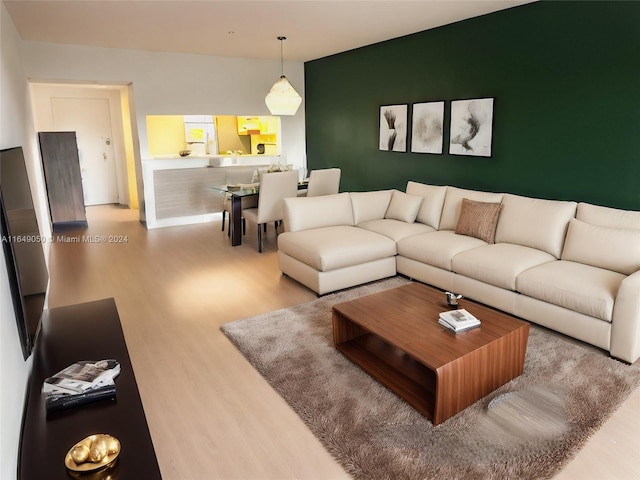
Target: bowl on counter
x,y
184,153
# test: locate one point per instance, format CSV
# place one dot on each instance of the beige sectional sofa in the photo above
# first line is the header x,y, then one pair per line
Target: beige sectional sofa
x,y
572,267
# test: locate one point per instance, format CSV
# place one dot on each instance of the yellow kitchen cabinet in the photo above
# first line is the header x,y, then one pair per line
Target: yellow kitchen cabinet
x,y
248,125
261,125
269,125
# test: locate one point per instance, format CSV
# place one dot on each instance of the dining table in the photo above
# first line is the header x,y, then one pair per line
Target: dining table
x,y
237,193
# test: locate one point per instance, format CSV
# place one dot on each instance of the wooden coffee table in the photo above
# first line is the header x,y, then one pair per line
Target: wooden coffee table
x,y
395,337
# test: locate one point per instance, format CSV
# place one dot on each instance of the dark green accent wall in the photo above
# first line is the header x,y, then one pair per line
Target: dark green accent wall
x,y
566,82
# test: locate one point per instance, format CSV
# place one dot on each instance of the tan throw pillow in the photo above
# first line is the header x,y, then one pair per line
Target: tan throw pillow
x,y
403,207
478,219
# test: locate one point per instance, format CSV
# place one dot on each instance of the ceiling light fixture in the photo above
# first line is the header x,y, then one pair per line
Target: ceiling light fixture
x,y
282,99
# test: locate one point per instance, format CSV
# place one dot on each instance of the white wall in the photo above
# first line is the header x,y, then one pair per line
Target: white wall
x,y
16,128
176,84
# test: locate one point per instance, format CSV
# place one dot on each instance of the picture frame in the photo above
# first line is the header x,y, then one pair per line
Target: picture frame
x,y
393,127
471,129
427,127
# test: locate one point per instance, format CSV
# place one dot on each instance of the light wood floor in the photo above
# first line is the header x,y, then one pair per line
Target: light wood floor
x,y
211,415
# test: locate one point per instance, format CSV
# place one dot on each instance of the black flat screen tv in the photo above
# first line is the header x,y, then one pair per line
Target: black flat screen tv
x,y
22,245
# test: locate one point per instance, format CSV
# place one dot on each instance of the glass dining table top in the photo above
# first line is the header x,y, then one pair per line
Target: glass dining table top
x,y
246,189
243,190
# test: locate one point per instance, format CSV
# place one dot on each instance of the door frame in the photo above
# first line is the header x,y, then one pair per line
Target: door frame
x,y
123,125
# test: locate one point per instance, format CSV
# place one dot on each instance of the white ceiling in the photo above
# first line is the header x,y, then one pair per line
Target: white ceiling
x,y
238,28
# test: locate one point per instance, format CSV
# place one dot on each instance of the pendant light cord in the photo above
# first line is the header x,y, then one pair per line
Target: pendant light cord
x,y
282,39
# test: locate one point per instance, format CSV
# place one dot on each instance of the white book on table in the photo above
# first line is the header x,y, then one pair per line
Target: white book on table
x,y
459,319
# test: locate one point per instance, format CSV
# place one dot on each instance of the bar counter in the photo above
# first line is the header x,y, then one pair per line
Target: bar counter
x,y
176,189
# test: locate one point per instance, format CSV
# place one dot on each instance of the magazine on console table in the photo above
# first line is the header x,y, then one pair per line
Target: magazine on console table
x,y
458,320
81,377
55,402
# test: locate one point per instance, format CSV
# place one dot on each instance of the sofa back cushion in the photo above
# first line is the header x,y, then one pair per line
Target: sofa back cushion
x,y
403,207
608,217
615,249
433,200
534,222
453,204
370,205
304,213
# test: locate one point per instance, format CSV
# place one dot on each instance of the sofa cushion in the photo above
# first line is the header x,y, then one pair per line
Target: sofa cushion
x,y
453,204
615,249
433,200
608,217
499,264
303,213
370,205
395,229
336,247
403,207
582,288
437,248
535,223
478,219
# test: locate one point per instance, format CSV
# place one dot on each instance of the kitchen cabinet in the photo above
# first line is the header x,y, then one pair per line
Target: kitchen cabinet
x,y
257,125
249,125
270,126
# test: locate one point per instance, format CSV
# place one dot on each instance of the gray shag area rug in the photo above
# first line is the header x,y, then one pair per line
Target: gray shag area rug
x,y
527,429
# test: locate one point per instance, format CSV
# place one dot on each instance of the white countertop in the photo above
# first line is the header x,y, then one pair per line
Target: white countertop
x,y
168,163
162,162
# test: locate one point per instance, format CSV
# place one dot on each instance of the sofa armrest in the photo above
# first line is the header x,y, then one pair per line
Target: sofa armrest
x,y
305,213
625,325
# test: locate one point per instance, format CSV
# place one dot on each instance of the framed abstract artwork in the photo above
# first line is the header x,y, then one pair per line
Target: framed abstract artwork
x,y
471,127
427,127
393,128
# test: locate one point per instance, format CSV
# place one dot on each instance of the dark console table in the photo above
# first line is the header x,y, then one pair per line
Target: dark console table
x,y
88,331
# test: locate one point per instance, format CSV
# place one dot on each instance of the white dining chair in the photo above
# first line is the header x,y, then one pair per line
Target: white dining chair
x,y
274,187
238,177
246,202
325,181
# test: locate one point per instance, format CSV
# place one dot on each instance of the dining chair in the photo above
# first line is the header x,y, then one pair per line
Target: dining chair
x,y
274,187
241,176
325,181
246,202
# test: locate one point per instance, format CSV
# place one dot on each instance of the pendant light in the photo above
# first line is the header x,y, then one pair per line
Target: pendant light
x,y
282,99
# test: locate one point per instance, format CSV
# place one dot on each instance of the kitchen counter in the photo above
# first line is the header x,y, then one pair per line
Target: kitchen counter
x,y
176,188
220,160
242,160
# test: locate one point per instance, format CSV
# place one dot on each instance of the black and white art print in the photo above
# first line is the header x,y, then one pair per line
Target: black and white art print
x,y
427,127
393,128
471,127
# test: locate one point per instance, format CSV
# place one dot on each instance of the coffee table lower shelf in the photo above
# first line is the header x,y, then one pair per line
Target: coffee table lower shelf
x,y
409,379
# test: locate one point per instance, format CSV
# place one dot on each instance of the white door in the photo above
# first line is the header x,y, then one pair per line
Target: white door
x,y
91,120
